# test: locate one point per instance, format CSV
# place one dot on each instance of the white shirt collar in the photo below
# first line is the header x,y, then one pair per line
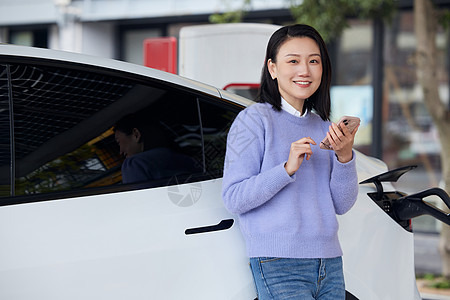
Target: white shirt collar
x,y
290,109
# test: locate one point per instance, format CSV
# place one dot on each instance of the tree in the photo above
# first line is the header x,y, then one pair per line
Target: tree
x,y
231,16
330,17
425,22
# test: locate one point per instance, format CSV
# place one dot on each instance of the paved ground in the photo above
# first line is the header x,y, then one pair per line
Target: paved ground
x,y
434,297
426,254
428,261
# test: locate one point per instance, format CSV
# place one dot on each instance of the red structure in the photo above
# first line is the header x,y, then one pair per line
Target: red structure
x,y
161,53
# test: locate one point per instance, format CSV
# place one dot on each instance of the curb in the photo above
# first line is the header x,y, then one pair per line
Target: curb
x,y
429,296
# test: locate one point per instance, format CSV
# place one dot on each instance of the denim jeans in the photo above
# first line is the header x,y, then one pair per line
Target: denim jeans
x,y
303,279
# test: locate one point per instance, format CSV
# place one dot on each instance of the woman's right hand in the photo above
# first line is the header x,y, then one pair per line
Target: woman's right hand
x,y
299,150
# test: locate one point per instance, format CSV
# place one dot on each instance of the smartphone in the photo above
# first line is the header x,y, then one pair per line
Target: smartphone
x,y
350,122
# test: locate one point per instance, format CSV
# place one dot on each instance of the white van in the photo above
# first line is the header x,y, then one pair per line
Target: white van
x,y
69,228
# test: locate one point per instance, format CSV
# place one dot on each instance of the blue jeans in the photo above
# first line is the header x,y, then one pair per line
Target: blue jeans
x,y
303,279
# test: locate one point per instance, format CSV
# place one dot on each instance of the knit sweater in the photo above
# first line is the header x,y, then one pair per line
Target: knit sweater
x,y
281,215
156,163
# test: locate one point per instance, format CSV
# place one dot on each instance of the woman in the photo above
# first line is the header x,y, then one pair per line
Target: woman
x,y
285,189
149,154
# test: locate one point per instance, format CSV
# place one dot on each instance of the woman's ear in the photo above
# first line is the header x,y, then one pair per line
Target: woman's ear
x,y
137,134
272,67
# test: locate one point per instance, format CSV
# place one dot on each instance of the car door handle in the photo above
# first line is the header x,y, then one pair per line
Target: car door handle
x,y
223,225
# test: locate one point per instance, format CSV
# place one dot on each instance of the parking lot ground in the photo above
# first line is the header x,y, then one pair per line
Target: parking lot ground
x,y
426,296
432,293
428,261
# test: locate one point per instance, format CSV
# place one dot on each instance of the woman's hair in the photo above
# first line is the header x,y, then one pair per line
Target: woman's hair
x,y
128,123
268,91
152,135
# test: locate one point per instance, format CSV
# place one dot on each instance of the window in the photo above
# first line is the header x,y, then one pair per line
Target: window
x,y
216,121
5,150
175,151
352,91
35,38
64,137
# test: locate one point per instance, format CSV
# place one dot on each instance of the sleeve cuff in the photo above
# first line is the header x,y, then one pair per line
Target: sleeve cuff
x,y
349,162
291,178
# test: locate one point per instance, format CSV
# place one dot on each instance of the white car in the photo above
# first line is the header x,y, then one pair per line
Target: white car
x,y
69,229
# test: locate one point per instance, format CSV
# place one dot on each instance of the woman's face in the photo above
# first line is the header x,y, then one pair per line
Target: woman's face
x,y
298,69
129,144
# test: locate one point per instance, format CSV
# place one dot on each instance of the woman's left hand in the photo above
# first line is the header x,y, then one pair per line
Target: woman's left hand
x,y
342,141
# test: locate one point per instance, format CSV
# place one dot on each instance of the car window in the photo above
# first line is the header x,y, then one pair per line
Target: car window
x,y
64,127
216,121
5,149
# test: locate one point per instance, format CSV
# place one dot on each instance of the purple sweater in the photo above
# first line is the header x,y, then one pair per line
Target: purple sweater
x,y
281,215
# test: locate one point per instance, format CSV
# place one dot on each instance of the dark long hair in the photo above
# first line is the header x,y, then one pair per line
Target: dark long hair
x,y
268,91
152,135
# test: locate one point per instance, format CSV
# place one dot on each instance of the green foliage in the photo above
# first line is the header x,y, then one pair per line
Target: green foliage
x,y
444,19
228,17
330,17
443,284
436,282
231,16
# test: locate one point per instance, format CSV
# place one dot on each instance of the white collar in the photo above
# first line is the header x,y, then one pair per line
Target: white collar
x,y
290,109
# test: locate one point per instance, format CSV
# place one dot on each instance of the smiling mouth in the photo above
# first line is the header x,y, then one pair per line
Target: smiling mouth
x,y
303,82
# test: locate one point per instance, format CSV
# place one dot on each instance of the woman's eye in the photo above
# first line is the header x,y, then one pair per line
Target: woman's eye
x,y
314,61
293,61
